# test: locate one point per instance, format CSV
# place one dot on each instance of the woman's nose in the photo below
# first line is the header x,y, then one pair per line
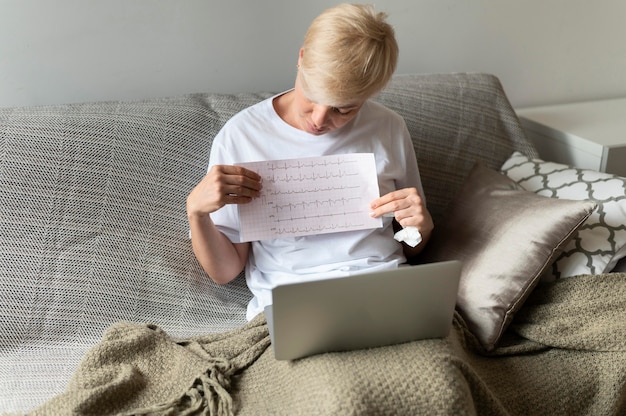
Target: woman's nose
x,y
320,115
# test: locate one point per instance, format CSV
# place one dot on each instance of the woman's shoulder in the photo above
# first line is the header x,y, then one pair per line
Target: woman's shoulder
x,y
256,114
377,111
261,109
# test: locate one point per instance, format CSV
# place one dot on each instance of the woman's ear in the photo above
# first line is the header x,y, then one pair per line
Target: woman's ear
x,y
300,55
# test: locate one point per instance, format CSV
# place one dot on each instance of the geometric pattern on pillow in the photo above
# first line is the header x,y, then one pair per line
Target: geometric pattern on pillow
x,y
601,241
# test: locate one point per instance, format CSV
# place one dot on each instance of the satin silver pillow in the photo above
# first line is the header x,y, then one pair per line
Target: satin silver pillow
x,y
506,237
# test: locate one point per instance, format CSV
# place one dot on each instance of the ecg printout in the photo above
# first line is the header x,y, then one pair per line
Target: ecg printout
x,y
314,195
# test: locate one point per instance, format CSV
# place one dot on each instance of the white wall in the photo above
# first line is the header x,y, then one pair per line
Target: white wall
x,y
544,51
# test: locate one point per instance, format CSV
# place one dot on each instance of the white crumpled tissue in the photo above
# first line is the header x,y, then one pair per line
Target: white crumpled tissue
x,y
409,235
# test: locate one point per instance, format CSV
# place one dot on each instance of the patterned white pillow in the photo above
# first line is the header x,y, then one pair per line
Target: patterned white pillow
x,y
601,241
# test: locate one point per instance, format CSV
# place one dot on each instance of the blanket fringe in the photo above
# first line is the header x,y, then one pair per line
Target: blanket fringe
x,y
208,395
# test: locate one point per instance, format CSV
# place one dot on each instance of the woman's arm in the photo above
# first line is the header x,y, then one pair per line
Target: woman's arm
x,y
222,259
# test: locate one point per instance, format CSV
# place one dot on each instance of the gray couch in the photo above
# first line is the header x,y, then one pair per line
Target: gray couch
x,y
93,227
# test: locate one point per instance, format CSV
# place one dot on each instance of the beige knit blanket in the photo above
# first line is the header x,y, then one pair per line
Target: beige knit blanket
x,y
564,354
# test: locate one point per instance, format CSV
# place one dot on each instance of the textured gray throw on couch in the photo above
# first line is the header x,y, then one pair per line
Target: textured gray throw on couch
x,y
106,311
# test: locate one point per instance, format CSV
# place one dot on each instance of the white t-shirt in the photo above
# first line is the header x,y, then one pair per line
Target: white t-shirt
x,y
258,133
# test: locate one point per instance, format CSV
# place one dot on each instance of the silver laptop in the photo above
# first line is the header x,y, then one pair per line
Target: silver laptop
x,y
363,311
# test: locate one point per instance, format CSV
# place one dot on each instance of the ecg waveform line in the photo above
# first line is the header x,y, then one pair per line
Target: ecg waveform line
x,y
318,217
278,192
288,165
316,229
317,204
314,176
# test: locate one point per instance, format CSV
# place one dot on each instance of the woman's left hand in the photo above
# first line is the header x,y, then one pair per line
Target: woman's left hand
x,y
408,209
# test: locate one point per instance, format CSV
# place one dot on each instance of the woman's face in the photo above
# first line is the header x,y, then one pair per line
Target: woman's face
x,y
316,118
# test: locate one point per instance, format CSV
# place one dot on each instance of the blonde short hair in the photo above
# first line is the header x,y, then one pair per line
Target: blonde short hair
x,y
349,54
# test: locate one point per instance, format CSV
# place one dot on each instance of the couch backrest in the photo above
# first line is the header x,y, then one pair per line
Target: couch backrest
x,y
92,218
455,120
93,227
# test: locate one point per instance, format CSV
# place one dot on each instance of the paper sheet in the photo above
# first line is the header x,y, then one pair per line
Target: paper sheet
x,y
311,196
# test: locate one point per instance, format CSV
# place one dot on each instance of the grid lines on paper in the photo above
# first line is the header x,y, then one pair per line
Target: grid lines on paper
x,y
311,196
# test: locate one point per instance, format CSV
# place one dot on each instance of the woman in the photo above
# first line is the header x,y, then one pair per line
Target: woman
x,y
348,55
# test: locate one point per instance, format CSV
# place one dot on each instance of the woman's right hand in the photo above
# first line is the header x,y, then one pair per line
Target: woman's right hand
x,y
223,184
